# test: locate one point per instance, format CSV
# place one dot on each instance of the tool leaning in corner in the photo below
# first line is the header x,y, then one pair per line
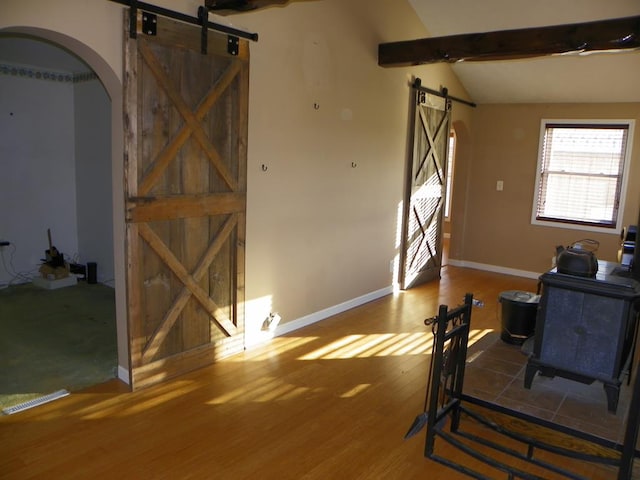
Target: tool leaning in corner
x,y
54,265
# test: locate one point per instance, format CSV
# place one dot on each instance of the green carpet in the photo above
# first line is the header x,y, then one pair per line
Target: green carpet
x,y
55,339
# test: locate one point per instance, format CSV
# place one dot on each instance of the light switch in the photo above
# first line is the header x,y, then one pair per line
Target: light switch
x,y
499,185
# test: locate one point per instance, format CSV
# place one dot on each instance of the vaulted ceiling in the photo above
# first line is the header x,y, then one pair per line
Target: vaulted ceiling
x,y
574,78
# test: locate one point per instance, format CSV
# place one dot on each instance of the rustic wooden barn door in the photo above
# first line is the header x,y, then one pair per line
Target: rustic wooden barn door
x,y
425,184
185,166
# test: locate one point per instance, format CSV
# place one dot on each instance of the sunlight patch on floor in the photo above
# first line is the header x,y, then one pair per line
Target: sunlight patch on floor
x,y
382,345
373,345
101,408
265,389
155,398
477,335
358,389
276,346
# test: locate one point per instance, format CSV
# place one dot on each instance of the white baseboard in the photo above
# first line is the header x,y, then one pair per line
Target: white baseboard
x,y
123,374
495,268
329,312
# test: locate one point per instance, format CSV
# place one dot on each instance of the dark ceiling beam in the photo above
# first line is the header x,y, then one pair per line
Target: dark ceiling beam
x,y
231,6
602,35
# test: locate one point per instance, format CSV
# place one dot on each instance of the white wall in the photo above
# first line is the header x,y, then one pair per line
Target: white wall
x,y
56,155
93,177
37,165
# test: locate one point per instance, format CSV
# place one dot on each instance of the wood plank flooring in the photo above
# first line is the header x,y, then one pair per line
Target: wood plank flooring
x,y
330,401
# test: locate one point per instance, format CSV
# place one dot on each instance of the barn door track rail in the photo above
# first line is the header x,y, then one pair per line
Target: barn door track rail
x,y
149,24
417,84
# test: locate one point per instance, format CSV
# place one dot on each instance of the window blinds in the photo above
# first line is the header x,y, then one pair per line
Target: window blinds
x,y
581,173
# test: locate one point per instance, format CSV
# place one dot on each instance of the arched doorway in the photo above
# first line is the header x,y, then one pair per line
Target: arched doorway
x,y
111,83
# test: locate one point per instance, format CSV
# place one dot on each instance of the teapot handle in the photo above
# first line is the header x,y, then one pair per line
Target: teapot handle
x,y
586,244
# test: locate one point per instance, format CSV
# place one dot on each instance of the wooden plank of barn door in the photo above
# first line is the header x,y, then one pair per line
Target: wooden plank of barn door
x,y
131,151
194,233
230,345
186,201
421,236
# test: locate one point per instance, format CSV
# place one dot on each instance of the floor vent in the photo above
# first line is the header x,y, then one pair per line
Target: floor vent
x,y
35,402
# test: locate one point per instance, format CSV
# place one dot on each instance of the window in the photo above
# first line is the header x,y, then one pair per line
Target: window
x,y
581,173
450,156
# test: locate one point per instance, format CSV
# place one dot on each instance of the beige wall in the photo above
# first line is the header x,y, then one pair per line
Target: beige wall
x,y
497,227
319,232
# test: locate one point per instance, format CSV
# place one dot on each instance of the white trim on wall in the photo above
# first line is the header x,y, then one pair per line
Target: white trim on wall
x,y
123,374
331,311
495,268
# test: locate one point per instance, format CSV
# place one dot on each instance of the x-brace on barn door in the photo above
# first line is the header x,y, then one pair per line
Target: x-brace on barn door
x,y
185,167
425,184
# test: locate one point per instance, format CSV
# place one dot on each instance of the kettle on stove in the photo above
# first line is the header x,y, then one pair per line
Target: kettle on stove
x,y
579,259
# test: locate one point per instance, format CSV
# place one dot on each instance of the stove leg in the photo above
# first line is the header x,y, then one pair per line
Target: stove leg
x,y
613,393
529,373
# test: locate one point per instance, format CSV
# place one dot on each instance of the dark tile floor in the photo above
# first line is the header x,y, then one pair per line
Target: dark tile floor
x,y
495,372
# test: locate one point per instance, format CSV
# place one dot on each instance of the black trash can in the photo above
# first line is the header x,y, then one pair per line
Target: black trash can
x,y
92,272
518,315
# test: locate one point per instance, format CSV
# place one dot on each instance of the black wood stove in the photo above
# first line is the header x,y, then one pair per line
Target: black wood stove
x,y
586,328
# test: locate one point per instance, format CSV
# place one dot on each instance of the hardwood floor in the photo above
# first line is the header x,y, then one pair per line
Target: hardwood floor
x,y
330,401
